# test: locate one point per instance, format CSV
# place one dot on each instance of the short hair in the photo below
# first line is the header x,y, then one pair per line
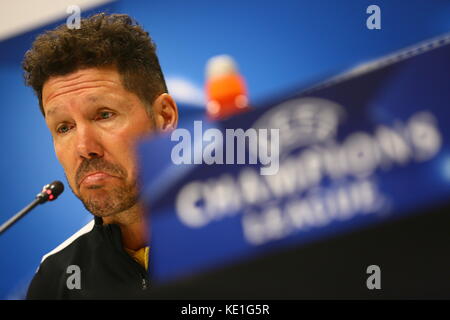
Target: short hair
x,y
102,40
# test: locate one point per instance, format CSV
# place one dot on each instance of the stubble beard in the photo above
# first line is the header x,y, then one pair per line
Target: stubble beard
x,y
109,201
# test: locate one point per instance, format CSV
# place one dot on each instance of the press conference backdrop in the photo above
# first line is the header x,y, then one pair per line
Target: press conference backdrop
x,y
279,46
361,150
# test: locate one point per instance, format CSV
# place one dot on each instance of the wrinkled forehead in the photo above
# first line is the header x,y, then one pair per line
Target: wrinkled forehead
x,y
56,88
100,97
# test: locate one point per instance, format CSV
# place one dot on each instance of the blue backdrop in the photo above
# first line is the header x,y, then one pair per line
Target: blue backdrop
x,y
279,45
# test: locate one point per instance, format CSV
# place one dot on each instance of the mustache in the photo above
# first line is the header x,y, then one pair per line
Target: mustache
x,y
98,164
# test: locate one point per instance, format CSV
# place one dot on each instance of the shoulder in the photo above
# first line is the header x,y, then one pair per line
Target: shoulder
x,y
52,270
70,242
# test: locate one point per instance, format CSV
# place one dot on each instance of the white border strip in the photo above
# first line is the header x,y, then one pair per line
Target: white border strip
x,y
67,242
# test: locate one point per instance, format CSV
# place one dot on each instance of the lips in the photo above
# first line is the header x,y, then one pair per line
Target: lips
x,y
95,177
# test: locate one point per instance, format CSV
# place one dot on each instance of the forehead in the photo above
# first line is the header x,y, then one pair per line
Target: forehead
x,y
85,81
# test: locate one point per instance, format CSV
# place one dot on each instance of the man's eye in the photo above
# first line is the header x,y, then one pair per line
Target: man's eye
x,y
105,115
63,128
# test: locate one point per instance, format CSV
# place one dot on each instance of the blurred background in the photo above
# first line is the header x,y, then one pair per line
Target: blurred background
x,y
277,46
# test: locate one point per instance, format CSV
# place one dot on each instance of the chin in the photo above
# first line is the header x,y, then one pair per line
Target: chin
x,y
94,187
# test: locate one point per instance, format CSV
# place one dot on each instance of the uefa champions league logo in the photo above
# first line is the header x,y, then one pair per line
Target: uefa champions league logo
x,y
322,177
302,122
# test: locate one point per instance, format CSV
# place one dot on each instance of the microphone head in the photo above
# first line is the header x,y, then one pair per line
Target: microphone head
x,y
56,188
51,191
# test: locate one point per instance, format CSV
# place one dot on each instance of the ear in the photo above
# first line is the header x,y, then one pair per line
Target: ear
x,y
165,111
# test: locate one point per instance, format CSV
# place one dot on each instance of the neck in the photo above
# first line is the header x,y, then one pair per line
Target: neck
x,y
132,225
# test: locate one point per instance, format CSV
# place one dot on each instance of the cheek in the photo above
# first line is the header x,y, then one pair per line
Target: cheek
x,y
63,156
129,160
124,153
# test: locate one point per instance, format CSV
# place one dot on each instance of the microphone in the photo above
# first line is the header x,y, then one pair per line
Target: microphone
x,y
50,192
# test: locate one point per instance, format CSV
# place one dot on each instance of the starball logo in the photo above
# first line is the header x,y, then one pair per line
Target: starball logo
x,y
301,122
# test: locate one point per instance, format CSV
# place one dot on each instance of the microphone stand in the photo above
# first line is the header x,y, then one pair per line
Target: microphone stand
x,y
19,215
49,193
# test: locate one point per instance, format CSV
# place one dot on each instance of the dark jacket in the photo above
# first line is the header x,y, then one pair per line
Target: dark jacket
x,y
106,271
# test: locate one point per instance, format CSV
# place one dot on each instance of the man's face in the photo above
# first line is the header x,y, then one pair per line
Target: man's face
x,y
95,123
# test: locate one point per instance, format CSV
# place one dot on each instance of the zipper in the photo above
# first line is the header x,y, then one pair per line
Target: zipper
x,y
144,284
134,264
140,270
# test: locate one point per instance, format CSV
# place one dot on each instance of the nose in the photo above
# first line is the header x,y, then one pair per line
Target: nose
x,y
88,143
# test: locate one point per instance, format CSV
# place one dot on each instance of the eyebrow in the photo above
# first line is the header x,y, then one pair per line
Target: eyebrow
x,y
92,98
51,111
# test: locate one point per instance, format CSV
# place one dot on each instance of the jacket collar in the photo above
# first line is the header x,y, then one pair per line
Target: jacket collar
x,y
98,221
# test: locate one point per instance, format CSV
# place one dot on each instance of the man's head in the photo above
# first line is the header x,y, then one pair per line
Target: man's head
x,y
100,88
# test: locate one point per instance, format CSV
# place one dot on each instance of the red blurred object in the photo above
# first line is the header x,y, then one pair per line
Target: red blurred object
x,y
226,91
